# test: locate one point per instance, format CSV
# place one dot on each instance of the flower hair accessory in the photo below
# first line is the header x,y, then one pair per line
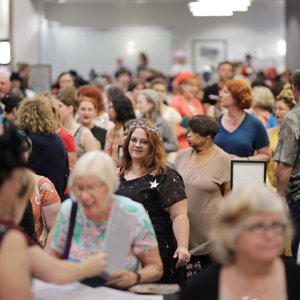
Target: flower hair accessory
x,y
146,125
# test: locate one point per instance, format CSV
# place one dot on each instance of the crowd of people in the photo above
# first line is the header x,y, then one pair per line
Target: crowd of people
x,y
159,148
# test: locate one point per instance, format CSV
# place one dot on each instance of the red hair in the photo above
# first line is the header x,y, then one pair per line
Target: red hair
x,y
89,99
92,92
240,91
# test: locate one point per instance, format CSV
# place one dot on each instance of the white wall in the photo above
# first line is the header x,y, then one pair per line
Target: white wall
x,y
82,36
81,48
26,17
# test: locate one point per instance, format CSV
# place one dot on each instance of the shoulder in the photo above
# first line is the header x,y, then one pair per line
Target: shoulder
x,y
176,100
99,130
66,206
14,238
128,204
184,153
222,154
133,208
292,274
291,267
250,119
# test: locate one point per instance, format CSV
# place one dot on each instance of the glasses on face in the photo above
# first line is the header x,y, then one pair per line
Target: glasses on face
x,y
261,228
142,142
92,189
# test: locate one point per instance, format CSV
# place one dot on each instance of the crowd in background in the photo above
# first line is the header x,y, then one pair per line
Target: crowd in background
x,y
167,142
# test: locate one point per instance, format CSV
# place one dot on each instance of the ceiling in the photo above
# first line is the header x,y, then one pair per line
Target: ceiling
x,y
143,1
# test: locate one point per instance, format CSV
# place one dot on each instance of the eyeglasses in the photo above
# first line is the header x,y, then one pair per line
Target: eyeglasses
x,y
142,142
93,189
260,228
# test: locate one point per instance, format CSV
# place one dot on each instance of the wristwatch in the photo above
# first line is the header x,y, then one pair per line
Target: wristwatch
x,y
138,277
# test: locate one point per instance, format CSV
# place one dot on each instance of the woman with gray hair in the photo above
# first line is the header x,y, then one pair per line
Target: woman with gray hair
x,y
92,184
248,238
148,103
263,104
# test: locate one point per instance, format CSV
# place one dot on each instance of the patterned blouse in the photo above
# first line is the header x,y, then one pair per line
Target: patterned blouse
x,y
89,237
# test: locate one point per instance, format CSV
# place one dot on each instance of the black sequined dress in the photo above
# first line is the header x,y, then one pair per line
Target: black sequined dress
x,y
157,193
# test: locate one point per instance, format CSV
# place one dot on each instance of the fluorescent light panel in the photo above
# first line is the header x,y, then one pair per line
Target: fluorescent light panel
x,y
218,7
5,56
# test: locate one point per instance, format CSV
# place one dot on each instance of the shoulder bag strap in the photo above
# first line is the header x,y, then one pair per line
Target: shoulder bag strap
x,y
70,230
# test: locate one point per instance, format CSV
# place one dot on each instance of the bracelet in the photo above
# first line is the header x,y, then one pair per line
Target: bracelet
x,y
138,277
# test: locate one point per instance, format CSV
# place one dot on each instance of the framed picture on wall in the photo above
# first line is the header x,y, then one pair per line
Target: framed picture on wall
x,y
244,172
208,52
41,78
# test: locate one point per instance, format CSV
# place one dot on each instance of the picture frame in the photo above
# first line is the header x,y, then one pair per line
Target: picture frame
x,y
41,78
247,171
208,52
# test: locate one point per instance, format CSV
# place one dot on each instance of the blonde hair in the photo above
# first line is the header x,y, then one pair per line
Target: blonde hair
x,y
52,101
152,97
36,116
239,204
98,164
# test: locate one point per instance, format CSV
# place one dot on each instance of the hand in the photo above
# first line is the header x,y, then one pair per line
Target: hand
x,y
235,157
94,265
183,256
122,279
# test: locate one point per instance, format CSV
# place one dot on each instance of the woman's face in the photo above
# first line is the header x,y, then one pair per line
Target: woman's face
x,y
189,89
226,98
64,110
281,109
261,238
137,90
138,146
143,105
87,113
197,141
161,90
92,195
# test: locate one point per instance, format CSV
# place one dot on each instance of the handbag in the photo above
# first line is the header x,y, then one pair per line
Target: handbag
x,y
92,281
70,230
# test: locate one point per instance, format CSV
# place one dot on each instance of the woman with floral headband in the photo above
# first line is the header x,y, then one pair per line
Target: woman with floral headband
x,y
147,178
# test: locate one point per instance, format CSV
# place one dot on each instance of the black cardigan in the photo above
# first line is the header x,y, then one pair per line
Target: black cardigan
x,y
205,285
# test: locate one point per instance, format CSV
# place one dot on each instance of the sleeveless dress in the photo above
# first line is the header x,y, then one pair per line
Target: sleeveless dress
x,y
77,137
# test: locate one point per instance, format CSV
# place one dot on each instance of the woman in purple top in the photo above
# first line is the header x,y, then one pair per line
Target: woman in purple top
x,y
240,134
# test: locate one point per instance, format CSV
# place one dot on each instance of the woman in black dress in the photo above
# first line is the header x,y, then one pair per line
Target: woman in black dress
x,y
147,178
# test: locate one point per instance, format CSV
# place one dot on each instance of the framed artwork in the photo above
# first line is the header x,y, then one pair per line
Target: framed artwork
x,y
247,171
41,78
208,52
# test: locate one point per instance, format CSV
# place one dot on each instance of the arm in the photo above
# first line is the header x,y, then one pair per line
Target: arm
x,y
72,159
283,175
152,271
50,213
51,269
264,153
15,274
88,141
181,227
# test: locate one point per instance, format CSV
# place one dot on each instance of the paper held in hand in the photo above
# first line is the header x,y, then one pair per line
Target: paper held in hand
x,y
117,239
